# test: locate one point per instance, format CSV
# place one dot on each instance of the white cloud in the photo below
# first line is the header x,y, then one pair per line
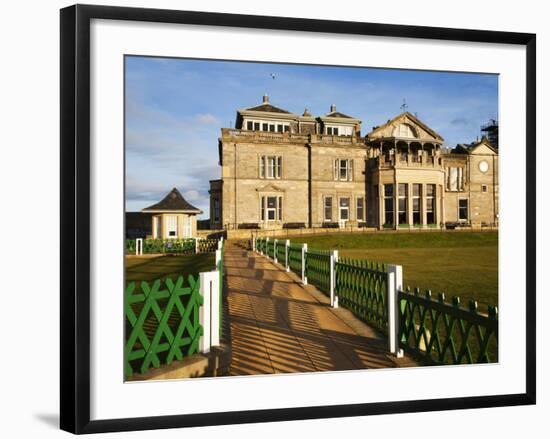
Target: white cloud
x,y
207,119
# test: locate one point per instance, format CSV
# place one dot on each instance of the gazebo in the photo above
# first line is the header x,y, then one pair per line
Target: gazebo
x,y
173,217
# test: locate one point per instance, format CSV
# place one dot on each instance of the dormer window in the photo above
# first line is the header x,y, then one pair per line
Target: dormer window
x,y
341,130
261,125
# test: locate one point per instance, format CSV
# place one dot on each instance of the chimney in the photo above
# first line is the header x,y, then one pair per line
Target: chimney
x,y
265,98
332,108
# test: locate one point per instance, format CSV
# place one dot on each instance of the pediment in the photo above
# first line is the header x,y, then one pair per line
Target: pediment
x,y
405,126
270,188
483,148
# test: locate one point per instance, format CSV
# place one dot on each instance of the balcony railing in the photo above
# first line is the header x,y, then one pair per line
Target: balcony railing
x,y
271,136
406,160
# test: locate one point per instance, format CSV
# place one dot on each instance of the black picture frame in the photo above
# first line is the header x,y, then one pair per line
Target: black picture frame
x,y
75,217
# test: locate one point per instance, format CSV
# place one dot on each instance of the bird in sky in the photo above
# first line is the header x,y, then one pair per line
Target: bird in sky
x,y
272,75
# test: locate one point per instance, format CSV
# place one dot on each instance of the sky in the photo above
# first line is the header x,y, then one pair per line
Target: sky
x,y
175,109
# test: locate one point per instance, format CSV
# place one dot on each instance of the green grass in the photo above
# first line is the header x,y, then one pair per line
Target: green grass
x,y
463,264
161,267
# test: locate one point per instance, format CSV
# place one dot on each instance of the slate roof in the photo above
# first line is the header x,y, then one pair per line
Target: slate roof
x,y
174,201
268,108
338,114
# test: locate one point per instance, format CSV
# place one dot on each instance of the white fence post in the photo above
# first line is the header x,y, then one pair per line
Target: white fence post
x,y
333,296
395,284
304,251
275,249
209,315
287,245
205,313
253,243
139,247
266,249
197,245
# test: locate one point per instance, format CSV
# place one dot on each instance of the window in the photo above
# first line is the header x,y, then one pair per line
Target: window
x,y
430,203
262,125
172,226
405,131
483,188
463,210
360,209
332,131
343,169
402,203
417,193
216,209
455,179
328,208
270,166
271,208
344,208
388,204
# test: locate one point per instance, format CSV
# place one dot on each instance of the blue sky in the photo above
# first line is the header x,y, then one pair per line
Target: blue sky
x,y
175,109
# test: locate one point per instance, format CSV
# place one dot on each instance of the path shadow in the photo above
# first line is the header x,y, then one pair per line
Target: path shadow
x,y
276,329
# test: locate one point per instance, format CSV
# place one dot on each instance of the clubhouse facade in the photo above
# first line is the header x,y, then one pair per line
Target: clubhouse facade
x,y
284,170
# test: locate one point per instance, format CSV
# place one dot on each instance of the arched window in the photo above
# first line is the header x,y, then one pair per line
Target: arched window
x,y
404,130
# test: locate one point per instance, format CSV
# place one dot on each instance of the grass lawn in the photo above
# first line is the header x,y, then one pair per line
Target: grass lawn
x,y
463,264
161,267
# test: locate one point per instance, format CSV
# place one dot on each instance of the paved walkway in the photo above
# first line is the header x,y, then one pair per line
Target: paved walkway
x,y
278,325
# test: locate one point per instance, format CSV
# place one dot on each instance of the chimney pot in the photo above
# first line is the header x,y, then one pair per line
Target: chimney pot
x,y
332,108
265,98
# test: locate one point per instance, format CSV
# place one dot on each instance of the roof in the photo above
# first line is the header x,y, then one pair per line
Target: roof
x,y
338,114
414,119
463,148
173,202
267,108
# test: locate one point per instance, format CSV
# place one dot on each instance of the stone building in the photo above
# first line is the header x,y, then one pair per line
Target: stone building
x,y
284,170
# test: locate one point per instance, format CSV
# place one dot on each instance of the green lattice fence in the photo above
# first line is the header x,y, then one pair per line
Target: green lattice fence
x,y
130,246
269,248
162,323
261,245
207,245
295,258
446,333
361,287
281,250
274,252
318,269
179,246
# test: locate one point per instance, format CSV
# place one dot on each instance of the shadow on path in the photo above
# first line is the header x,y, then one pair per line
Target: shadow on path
x,y
277,326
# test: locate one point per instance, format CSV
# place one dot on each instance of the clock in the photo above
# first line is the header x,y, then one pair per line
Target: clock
x,y
483,166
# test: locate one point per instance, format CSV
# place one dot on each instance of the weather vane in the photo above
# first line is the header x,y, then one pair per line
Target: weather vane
x,y
404,105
